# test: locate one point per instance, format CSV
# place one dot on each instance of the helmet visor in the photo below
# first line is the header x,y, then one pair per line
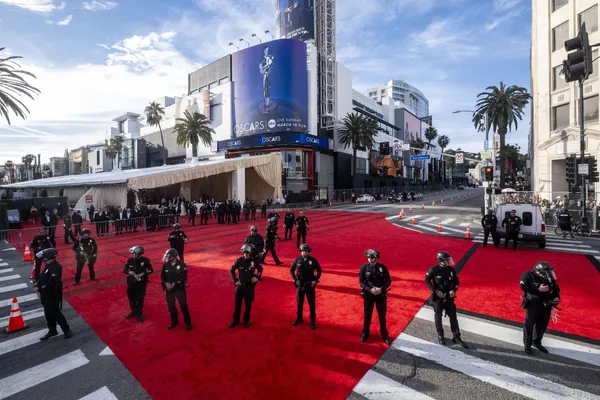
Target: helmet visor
x,y
40,254
448,262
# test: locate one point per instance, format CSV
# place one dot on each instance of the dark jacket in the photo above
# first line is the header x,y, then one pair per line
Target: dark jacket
x,y
138,265
304,269
176,239
376,275
40,242
246,270
441,279
174,273
50,282
302,223
489,221
531,282
257,241
85,246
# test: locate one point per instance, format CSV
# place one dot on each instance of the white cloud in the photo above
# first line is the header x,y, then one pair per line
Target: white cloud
x,y
98,5
505,5
446,38
42,6
65,21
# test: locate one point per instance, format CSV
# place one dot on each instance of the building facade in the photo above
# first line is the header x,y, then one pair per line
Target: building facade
x,y
555,117
409,96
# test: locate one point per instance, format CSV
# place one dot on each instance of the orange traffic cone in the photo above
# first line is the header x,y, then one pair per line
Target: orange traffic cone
x,y
410,210
414,221
32,272
440,227
15,322
433,204
422,206
27,256
401,215
468,234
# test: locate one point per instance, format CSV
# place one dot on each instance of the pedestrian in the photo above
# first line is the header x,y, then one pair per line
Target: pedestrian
x,y
513,225
302,228
137,269
173,278
50,288
489,223
375,280
306,272
177,240
86,251
249,272
443,282
541,295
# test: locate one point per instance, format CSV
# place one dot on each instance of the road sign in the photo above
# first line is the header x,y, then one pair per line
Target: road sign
x,y
423,157
406,146
485,145
89,198
460,158
583,169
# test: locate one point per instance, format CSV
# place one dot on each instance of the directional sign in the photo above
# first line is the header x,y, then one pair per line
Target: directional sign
x,y
485,145
406,147
423,157
460,158
583,169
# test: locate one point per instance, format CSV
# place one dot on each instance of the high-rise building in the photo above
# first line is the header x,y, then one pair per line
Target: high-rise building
x,y
401,91
555,120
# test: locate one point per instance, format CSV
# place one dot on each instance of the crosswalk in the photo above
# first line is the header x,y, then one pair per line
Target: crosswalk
x,y
494,367
57,368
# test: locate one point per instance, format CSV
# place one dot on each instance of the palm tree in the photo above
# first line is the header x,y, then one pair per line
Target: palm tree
x,y
192,129
357,131
113,148
154,114
430,134
13,86
28,161
502,107
9,168
443,142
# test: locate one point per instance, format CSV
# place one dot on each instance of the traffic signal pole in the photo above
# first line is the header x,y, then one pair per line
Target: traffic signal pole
x,y
584,219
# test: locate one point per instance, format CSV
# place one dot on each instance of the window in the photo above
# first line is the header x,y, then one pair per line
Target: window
x,y
361,165
560,117
223,81
590,110
556,4
213,85
596,65
590,17
97,158
560,34
559,80
527,218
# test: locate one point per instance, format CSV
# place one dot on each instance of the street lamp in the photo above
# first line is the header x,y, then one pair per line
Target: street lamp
x,y
242,40
269,32
231,44
254,36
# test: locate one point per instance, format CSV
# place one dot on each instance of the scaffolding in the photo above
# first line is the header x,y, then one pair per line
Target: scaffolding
x,y
325,24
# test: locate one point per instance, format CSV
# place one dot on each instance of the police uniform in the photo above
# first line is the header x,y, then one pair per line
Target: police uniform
x,y
50,287
513,225
302,228
271,235
256,241
136,289
39,243
177,241
564,222
489,223
176,273
86,250
303,271
247,268
289,221
374,276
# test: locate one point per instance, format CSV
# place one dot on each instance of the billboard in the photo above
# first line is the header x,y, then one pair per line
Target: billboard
x,y
270,89
376,160
412,127
272,139
199,102
295,19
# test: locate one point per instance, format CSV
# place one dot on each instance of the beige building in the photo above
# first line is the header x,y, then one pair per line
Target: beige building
x,y
555,119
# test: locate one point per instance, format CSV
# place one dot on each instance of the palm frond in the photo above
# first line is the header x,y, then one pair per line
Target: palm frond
x,y
13,85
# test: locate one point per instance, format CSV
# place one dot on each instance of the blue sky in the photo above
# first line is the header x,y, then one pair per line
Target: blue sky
x,y
98,59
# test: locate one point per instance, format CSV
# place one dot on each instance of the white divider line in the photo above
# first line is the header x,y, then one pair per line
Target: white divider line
x,y
101,394
465,224
13,287
41,373
509,334
9,278
429,229
450,229
375,386
27,315
3,271
391,217
580,246
9,249
561,240
22,341
572,249
429,219
3,264
498,375
447,221
20,299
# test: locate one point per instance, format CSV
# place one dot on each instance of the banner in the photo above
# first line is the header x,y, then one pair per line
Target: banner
x,y
270,86
376,160
272,139
295,19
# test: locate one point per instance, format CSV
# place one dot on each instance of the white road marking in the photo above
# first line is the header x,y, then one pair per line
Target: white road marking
x,y
3,271
27,315
13,287
9,249
495,374
20,299
508,334
447,221
107,352
9,278
407,228
429,229
41,373
561,240
21,341
465,224
430,219
391,217
572,249
3,264
375,386
101,394
446,228
581,246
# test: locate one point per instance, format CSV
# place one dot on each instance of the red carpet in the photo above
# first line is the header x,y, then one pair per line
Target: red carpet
x,y
490,285
272,359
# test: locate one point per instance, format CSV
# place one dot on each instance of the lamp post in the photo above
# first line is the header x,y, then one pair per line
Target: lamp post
x,y
242,40
254,36
231,44
269,32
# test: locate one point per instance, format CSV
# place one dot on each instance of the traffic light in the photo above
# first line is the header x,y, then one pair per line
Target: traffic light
x,y
594,176
579,64
384,148
489,174
570,171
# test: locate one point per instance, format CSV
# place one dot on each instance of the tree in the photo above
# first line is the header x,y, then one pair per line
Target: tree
x,y
357,132
113,148
443,142
28,162
503,107
514,156
154,114
13,86
9,168
192,129
430,134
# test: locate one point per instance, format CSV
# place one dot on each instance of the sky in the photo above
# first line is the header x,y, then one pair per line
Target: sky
x,y
95,60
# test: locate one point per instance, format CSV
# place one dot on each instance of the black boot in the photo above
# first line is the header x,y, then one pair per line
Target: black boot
x,y
68,334
233,324
188,326
313,325
130,315
297,322
528,349
441,340
364,337
173,323
458,340
541,348
49,335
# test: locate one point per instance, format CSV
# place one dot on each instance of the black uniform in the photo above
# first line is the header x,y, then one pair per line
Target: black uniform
x,y
289,221
444,280
176,273
50,287
489,223
177,241
270,236
538,309
257,242
303,271
39,243
513,225
302,224
136,290
564,222
86,251
247,269
68,225
371,276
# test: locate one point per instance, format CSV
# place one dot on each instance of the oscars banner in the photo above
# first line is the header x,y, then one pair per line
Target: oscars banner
x,y
270,88
295,19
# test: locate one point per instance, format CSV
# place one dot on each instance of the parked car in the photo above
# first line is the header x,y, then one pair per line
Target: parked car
x,y
365,198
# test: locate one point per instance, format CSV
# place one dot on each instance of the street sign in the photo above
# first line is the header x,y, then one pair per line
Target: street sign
x,y
406,147
460,158
485,145
89,198
423,157
583,169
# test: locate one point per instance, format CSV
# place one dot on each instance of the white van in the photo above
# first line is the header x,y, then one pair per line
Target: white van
x,y
533,228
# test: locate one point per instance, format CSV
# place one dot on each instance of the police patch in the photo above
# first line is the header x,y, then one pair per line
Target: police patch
x,y
178,268
142,264
380,269
310,263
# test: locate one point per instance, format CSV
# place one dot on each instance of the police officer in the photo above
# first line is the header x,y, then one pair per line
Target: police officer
x,y
173,278
137,269
39,243
270,236
375,280
303,272
249,272
178,239
68,226
489,223
289,221
256,241
443,282
86,251
50,288
564,222
541,293
302,228
513,225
